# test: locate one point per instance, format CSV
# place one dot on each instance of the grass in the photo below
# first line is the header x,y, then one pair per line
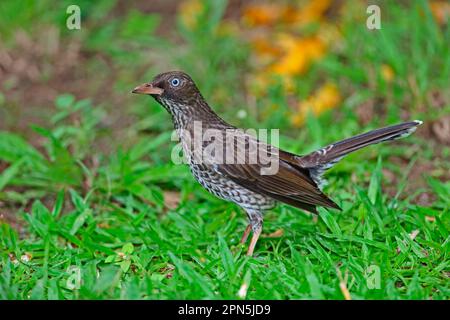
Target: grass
x,y
89,224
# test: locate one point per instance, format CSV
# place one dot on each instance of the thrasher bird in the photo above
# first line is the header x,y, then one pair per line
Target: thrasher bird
x,y
297,179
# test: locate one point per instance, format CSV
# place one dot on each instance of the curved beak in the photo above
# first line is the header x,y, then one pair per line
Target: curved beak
x,y
147,88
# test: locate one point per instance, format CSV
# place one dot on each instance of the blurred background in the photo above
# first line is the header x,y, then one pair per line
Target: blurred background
x,y
311,68
86,178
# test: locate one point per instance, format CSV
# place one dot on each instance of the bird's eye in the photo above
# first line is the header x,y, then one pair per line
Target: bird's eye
x,y
175,82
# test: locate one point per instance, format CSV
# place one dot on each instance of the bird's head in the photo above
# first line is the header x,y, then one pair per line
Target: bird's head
x,y
173,89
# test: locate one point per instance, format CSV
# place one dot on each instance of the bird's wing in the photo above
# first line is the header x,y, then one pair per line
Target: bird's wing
x,y
287,182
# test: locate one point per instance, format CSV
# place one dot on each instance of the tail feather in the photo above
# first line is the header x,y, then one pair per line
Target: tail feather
x,y
320,160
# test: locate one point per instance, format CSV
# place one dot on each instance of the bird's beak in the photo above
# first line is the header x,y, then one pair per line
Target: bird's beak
x,y
148,88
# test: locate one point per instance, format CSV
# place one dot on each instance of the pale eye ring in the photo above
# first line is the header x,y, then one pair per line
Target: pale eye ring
x,y
175,82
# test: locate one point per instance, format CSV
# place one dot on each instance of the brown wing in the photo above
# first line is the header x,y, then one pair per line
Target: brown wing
x,y
290,184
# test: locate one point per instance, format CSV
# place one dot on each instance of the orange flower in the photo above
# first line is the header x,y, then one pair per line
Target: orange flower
x,y
262,14
299,54
269,14
325,98
283,56
286,57
263,47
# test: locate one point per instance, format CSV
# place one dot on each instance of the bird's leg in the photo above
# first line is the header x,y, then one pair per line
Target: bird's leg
x,y
255,237
256,225
246,233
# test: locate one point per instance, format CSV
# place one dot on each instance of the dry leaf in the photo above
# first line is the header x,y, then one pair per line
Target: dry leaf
x,y
343,284
276,234
440,11
172,199
441,130
26,257
414,234
242,293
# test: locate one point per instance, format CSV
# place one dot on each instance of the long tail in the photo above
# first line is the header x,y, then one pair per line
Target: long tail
x,y
320,160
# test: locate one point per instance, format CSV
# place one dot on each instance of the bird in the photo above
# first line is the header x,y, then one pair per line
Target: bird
x,y
298,179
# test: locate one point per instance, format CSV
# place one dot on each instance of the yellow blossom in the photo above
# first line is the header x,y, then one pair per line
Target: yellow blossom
x,y
189,11
286,57
325,98
387,73
269,14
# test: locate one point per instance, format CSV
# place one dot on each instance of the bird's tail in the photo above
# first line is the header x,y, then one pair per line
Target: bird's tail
x,y
320,160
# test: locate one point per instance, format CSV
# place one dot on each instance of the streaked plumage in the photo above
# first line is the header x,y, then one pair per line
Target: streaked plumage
x,y
299,178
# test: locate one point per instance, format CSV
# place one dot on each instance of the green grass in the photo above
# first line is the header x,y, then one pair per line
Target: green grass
x,y
103,217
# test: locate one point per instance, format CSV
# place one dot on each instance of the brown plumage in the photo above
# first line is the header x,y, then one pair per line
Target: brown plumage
x,y
297,181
